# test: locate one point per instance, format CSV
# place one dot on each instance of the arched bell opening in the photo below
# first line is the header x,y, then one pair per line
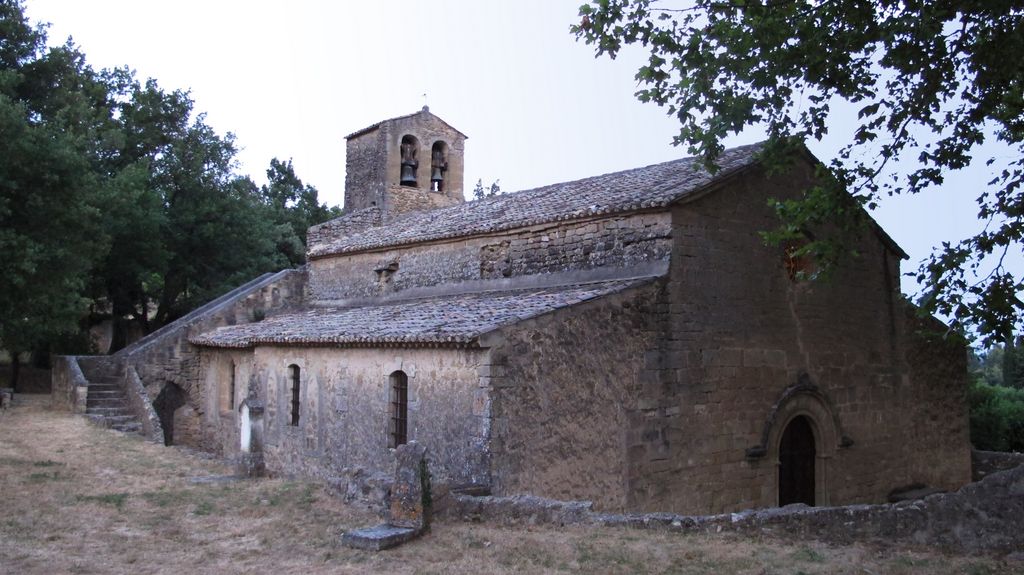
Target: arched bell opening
x,y
438,166
797,462
410,163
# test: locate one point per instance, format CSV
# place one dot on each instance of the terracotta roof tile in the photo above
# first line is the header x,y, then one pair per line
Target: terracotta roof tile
x,y
451,320
650,187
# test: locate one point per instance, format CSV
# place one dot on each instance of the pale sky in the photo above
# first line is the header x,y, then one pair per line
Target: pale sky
x,y
291,79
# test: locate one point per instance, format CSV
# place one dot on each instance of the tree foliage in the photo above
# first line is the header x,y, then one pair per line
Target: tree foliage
x,y
49,196
480,192
928,81
997,417
119,201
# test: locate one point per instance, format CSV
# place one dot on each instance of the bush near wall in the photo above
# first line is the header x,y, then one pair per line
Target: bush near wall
x,y
997,417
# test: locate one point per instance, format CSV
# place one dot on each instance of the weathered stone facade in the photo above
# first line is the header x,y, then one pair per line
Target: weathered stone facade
x,y
627,339
374,159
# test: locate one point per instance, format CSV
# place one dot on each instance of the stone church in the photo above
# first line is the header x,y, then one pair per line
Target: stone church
x,y
627,339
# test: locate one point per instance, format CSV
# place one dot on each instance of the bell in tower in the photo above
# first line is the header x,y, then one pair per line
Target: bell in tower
x,y
438,166
409,162
412,162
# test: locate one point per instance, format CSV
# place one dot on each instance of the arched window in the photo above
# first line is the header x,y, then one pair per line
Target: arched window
x,y
296,377
399,408
438,166
410,148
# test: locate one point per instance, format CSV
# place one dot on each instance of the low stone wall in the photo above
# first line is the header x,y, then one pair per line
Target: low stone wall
x,y
985,463
987,516
70,387
139,401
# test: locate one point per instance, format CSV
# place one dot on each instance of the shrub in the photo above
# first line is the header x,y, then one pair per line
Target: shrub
x,y
997,417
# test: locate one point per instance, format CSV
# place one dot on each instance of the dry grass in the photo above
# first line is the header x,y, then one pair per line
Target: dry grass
x,y
79,499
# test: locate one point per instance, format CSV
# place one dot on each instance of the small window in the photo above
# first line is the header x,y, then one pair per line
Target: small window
x,y
296,377
399,408
231,390
409,161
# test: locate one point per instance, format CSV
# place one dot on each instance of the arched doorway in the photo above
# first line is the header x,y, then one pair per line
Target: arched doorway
x,y
797,456
170,399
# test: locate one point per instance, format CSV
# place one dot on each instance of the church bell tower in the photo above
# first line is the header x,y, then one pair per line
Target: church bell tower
x,y
404,164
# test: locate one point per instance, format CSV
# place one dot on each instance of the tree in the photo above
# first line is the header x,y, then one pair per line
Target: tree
x,y
294,207
480,192
50,232
930,82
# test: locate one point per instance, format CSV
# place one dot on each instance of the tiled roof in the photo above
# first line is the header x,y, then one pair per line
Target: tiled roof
x,y
651,187
447,320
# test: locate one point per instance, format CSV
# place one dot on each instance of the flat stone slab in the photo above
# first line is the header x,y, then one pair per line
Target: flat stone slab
x,y
207,479
379,537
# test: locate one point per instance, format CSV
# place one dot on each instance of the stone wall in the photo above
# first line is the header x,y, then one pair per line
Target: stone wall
x,y
617,241
565,390
938,443
69,386
352,222
166,358
984,517
427,129
751,348
401,199
365,171
373,165
344,409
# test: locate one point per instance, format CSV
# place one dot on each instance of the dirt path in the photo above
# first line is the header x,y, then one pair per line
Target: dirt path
x,y
75,498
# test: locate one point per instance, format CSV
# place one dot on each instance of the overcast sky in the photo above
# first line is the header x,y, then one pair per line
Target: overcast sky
x,y
291,79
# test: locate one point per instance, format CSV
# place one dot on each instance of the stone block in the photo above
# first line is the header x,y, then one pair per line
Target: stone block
x,y
378,538
410,492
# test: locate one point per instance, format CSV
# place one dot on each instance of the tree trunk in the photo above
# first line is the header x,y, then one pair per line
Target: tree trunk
x,y
15,369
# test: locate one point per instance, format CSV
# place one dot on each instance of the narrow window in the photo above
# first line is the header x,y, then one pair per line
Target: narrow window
x,y
399,408
231,388
295,377
409,161
438,166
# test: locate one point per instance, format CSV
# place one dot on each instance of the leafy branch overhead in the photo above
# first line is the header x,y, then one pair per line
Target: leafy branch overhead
x,y
929,82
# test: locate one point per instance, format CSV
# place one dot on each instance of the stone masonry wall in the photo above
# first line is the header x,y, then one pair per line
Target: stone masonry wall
x,y
373,165
565,388
427,129
172,360
617,241
344,408
365,170
352,222
743,333
938,399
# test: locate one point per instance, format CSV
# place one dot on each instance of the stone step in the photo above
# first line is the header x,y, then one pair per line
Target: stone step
x,y
103,387
107,404
105,400
107,380
128,427
107,411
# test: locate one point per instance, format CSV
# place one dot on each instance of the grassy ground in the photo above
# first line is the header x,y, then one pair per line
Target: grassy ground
x,y
79,499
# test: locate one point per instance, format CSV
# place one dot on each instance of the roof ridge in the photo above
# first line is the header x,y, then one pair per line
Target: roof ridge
x,y
651,186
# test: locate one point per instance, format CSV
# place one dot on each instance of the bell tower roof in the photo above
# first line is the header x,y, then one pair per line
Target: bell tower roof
x,y
424,110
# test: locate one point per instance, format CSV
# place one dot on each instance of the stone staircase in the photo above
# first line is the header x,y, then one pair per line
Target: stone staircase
x,y
106,403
